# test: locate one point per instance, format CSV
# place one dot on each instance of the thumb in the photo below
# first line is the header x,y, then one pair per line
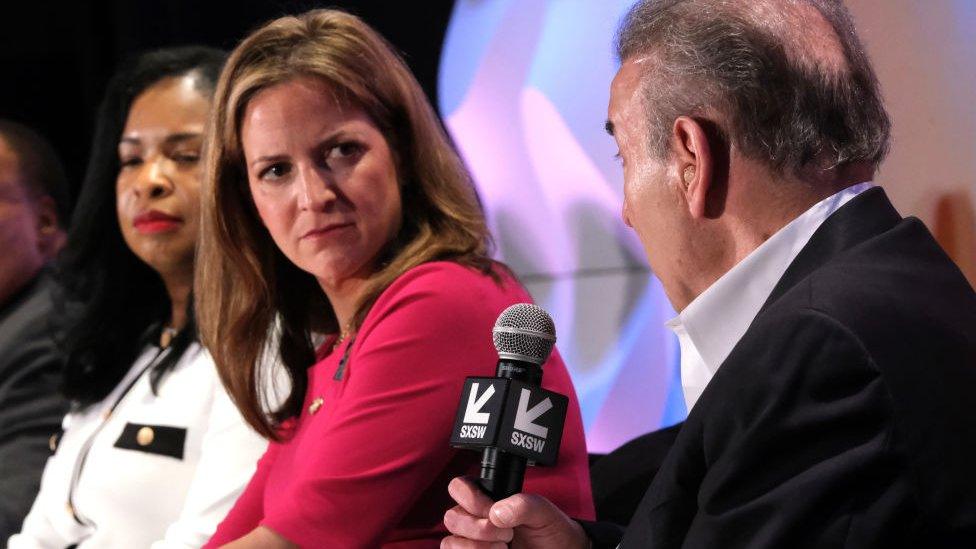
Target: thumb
x,y
524,510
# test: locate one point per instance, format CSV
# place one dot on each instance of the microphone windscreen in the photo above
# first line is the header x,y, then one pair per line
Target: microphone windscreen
x,y
524,332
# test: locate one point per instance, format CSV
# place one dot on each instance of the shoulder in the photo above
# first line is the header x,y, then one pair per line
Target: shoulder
x,y
29,317
898,294
197,362
445,287
193,379
450,278
441,303
791,347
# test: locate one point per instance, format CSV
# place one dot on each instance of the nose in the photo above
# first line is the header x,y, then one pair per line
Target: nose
x,y
153,181
316,190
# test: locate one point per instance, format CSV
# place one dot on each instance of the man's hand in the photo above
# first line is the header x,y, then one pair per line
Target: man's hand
x,y
525,520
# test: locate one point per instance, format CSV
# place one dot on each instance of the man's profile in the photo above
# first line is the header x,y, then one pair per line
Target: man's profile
x,y
828,346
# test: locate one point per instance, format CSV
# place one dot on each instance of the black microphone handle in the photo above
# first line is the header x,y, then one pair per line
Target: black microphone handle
x,y
502,473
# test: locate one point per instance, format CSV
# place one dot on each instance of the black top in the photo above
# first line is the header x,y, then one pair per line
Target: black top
x,y
844,417
31,408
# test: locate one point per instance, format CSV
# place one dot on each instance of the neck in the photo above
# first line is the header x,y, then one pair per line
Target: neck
x,y
344,297
178,287
759,204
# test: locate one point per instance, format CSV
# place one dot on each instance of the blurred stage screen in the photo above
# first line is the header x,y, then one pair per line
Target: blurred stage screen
x,y
524,92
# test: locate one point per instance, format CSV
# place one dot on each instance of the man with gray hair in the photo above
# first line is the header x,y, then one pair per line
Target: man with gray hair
x,y
828,346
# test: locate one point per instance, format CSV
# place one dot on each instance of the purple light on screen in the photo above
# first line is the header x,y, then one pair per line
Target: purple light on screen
x,y
553,198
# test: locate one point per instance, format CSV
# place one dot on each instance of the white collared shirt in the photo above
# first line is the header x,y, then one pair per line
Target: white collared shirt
x,y
714,322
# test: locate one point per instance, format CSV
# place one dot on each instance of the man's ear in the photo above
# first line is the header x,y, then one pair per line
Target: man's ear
x,y
50,236
694,160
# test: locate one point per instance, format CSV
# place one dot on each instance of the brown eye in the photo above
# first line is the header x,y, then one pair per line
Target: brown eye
x,y
348,149
274,172
343,152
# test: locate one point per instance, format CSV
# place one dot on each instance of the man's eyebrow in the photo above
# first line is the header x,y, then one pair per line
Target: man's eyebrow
x,y
609,127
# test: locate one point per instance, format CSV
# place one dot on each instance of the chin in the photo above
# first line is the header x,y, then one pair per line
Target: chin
x,y
331,274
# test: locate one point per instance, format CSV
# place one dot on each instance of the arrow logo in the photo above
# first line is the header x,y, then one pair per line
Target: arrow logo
x,y
524,417
473,413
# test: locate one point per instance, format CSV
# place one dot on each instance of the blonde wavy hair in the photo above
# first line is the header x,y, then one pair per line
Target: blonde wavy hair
x,y
248,295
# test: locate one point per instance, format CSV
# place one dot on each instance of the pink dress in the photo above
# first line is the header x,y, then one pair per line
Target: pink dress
x,y
370,466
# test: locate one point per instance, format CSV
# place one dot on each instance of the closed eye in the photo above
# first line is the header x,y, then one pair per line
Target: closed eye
x,y
186,157
129,161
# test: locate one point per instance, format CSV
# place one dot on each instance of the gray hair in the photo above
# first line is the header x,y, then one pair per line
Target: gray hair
x,y
789,77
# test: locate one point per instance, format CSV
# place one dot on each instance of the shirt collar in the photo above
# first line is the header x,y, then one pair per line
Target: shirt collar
x,y
717,319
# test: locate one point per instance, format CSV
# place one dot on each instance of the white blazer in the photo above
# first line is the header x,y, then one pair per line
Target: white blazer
x,y
157,471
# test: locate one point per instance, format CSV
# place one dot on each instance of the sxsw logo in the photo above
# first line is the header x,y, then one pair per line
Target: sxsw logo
x,y
474,413
524,426
476,423
516,417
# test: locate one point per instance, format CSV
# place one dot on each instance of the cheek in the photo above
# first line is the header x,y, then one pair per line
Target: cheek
x,y
275,213
17,229
122,198
124,213
394,213
635,201
265,208
189,185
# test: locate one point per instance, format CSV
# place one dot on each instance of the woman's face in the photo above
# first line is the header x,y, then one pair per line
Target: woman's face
x,y
323,179
158,186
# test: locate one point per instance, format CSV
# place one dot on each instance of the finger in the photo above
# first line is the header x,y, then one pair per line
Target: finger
x,y
525,510
455,542
467,494
460,523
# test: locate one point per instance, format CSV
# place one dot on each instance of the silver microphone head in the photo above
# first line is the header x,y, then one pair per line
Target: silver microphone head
x,y
524,332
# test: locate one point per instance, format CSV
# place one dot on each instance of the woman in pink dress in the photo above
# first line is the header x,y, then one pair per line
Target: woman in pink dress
x,y
334,204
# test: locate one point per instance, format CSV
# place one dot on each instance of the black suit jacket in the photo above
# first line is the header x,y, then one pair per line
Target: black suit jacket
x,y
31,407
845,416
620,478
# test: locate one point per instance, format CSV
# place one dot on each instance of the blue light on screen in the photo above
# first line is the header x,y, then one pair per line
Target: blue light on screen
x,y
523,90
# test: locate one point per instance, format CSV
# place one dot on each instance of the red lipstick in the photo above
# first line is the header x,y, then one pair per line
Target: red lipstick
x,y
155,221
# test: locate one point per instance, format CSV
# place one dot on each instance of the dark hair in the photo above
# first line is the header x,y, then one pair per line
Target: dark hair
x,y
114,303
41,170
796,93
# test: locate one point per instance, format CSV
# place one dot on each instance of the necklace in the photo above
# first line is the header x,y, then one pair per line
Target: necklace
x,y
343,335
317,402
166,337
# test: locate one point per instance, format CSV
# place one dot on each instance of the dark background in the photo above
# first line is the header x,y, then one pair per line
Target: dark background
x,y
56,57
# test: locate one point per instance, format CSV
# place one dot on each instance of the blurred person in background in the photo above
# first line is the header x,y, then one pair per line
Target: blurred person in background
x,y
34,208
334,204
153,453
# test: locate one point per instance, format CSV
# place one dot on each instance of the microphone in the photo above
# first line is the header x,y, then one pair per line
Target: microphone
x,y
509,417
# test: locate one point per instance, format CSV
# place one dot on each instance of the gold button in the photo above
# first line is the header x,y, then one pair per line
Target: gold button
x,y
315,405
145,436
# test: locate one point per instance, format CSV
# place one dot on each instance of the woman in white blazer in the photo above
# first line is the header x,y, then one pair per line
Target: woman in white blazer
x,y
153,453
